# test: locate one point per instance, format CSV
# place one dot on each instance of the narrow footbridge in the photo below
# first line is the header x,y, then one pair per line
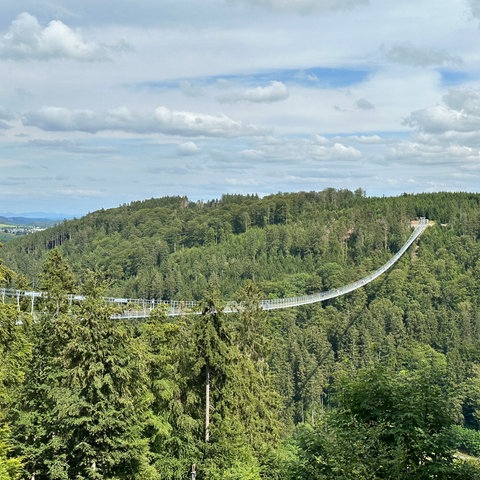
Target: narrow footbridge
x,y
141,308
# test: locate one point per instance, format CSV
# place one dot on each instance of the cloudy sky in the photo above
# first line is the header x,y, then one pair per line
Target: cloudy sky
x,y
106,102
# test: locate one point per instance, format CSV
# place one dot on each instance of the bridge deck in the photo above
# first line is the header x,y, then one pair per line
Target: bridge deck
x,y
141,308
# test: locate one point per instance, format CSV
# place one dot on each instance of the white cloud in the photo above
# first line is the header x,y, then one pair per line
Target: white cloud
x,y
305,6
251,154
465,100
440,119
188,148
446,135
26,39
318,148
161,120
333,151
63,111
436,153
198,124
408,54
366,139
80,193
274,92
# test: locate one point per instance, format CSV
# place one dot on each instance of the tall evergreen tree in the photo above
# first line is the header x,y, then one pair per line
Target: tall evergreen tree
x,y
175,426
57,280
35,427
101,397
14,349
84,401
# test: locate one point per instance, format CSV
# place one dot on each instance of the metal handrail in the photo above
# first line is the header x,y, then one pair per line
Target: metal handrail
x,y
179,307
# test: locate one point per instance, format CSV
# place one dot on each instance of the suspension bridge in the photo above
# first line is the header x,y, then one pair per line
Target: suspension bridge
x,y
141,308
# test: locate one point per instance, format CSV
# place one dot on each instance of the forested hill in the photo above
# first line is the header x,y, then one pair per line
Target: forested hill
x,y
382,383
172,248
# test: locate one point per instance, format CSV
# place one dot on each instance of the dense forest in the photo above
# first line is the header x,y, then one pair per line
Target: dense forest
x,y
382,383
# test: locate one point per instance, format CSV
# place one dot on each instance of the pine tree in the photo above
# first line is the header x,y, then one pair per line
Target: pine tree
x,y
101,398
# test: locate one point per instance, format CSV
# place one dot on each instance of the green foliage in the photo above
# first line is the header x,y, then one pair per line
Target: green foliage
x,y
57,280
174,428
101,399
466,440
82,409
389,421
10,467
134,394
5,273
14,353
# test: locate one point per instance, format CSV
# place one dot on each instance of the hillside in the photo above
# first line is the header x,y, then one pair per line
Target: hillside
x,y
172,248
389,369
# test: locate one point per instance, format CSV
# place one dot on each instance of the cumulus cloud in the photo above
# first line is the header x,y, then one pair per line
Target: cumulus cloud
x,y
188,148
26,39
446,134
197,124
318,148
304,6
460,115
408,54
437,154
439,119
274,92
465,100
336,151
161,120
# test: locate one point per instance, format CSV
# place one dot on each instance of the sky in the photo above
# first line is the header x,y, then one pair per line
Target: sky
x,y
107,102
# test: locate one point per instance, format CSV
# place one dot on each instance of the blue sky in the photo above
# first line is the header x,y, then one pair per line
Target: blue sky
x,y
103,103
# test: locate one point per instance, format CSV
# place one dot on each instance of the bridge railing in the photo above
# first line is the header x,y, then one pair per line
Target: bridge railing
x,y
140,308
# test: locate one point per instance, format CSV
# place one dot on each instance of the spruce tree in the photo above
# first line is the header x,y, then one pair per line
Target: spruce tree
x,y
14,350
84,402
101,398
175,427
57,281
244,427
35,428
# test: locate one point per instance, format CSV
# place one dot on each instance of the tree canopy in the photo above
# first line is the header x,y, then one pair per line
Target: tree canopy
x,y
380,383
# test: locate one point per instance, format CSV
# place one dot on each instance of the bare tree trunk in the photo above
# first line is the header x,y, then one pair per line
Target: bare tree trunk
x,y
207,406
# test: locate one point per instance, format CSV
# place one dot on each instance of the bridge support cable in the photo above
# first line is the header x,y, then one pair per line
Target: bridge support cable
x,y
337,292
141,308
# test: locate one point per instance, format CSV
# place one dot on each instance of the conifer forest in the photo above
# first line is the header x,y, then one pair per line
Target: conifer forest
x,y
380,383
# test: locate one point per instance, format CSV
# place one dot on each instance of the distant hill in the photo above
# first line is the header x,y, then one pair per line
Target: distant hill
x,y
33,221
287,243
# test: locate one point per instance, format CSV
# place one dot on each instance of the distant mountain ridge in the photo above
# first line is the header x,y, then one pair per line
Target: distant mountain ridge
x,y
34,218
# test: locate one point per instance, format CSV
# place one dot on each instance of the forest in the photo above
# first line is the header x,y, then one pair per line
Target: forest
x,y
382,383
